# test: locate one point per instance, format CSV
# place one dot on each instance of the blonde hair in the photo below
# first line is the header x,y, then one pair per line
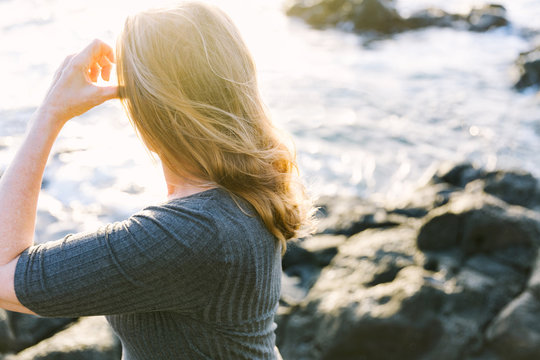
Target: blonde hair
x,y
188,83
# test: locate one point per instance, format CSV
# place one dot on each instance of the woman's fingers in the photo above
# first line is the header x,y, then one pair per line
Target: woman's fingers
x,y
93,72
97,49
97,58
106,68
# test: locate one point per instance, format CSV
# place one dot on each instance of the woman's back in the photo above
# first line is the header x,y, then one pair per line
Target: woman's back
x,y
195,277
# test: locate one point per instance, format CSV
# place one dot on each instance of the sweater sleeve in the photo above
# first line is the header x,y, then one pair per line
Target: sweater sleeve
x,y
162,259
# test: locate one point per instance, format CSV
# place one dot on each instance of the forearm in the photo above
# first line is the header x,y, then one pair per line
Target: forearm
x,y
72,93
20,185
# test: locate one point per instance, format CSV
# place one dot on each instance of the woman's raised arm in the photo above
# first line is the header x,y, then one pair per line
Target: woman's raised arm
x,y
72,93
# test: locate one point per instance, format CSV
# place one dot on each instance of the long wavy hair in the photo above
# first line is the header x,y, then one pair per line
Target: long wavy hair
x,y
188,83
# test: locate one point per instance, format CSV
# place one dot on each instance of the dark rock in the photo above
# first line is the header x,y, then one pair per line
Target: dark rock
x,y
364,15
487,17
305,274
19,331
371,257
515,333
433,17
293,290
414,212
494,228
382,17
317,251
374,15
480,19
303,261
520,258
534,281
497,269
323,247
441,231
478,223
514,187
458,175
88,339
349,216
296,255
423,201
528,67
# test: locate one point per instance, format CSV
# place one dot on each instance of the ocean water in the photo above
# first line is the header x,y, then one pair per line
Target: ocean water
x,y
368,118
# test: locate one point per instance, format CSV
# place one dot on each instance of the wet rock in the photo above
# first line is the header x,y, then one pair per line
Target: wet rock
x,y
534,281
374,15
349,216
364,15
528,67
487,17
441,231
424,200
515,333
340,310
479,19
19,331
514,187
324,247
303,261
88,339
434,17
456,174
382,17
293,290
437,189
478,223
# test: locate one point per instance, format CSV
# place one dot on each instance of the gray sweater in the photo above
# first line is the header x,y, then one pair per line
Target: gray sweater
x,y
194,278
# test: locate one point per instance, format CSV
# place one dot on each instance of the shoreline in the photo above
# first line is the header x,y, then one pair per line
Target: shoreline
x,y
452,273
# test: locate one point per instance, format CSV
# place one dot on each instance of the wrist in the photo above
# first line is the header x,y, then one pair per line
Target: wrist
x,y
46,119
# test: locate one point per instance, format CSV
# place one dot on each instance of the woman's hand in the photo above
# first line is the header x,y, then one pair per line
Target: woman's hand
x,y
73,91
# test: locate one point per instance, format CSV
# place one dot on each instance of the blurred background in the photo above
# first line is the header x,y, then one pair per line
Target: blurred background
x,y
370,114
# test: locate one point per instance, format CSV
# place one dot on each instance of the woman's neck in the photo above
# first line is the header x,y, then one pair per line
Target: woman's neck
x,y
179,187
175,191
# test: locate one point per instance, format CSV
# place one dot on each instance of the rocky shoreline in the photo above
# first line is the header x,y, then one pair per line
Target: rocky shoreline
x,y
450,272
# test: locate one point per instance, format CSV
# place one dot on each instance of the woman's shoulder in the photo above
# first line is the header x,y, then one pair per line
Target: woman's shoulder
x,y
214,212
216,204
199,202
207,205
212,221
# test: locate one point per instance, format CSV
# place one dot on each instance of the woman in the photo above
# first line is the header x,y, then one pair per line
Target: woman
x,y
198,276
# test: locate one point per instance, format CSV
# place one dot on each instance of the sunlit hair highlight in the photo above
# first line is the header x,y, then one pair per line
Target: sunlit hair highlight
x,y
189,85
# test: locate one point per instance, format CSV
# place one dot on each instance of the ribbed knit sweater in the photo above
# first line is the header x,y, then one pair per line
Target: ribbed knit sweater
x,y
194,278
